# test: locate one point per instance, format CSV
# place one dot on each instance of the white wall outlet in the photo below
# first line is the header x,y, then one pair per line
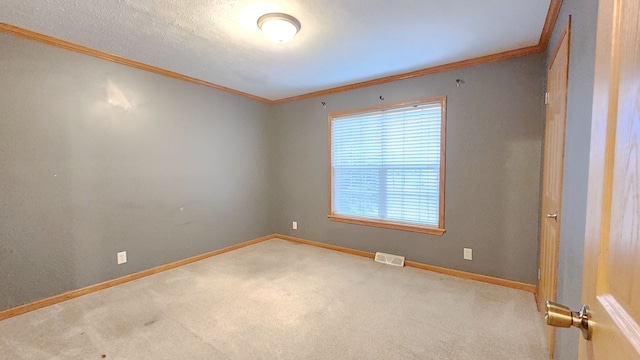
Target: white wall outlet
x,y
294,225
468,254
122,257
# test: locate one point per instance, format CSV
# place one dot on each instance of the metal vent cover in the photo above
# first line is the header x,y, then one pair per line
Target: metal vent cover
x,y
389,259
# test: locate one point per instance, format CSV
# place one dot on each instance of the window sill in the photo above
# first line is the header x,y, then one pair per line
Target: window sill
x,y
387,225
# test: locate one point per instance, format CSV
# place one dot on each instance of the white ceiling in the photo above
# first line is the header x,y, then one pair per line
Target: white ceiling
x,y
341,42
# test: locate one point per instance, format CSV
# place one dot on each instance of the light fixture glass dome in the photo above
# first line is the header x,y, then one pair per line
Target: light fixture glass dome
x,y
278,27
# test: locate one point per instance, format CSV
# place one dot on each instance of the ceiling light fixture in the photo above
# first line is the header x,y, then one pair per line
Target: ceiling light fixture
x,y
279,27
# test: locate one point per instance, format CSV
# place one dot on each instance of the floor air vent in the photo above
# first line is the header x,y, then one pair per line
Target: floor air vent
x,y
389,259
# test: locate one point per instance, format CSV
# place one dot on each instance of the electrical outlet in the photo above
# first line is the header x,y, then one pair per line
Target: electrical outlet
x,y
122,257
294,225
468,254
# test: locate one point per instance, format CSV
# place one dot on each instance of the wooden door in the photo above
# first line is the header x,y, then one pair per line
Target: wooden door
x,y
611,273
557,78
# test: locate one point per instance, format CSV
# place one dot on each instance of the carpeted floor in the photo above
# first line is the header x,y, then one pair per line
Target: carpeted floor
x,y
280,300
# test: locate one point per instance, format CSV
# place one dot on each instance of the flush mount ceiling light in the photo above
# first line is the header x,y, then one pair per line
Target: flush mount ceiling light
x,y
279,27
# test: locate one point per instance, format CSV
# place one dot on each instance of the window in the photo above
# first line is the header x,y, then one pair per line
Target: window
x,y
387,166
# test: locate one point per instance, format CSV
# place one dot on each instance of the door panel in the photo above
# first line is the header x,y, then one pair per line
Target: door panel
x,y
552,174
611,279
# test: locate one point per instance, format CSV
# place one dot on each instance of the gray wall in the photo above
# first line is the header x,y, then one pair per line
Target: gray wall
x,y
576,158
99,158
178,171
495,125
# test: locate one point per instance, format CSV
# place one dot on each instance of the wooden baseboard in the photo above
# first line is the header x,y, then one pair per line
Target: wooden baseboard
x,y
457,273
325,246
471,276
22,309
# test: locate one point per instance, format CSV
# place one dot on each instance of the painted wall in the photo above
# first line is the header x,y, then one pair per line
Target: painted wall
x,y
98,158
576,158
495,126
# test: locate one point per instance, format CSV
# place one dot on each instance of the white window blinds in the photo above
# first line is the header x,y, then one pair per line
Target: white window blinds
x,y
386,164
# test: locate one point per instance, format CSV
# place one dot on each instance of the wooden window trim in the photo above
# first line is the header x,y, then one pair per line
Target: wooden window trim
x,y
440,229
387,224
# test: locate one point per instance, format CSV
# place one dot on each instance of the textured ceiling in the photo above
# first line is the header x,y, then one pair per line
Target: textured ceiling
x,y
341,42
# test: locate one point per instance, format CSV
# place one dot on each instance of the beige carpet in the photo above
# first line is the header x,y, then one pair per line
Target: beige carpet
x,y
280,300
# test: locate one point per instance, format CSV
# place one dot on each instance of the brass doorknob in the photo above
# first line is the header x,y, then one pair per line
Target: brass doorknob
x,y
553,216
561,316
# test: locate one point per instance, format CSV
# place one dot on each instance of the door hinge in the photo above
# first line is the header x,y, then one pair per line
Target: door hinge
x,y
538,274
546,98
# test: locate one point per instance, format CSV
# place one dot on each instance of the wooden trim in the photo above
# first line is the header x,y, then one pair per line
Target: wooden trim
x,y
550,23
471,276
387,225
443,164
552,16
440,229
325,246
22,309
434,99
545,37
565,32
329,162
441,270
63,44
417,73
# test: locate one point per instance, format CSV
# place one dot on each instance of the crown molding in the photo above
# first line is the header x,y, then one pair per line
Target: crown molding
x,y
550,21
422,72
63,44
